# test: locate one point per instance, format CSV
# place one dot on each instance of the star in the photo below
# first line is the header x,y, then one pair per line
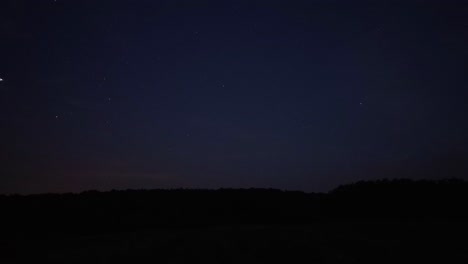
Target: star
x,y
1,80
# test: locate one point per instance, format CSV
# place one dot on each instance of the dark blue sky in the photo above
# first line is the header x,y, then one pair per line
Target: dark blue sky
x,y
301,95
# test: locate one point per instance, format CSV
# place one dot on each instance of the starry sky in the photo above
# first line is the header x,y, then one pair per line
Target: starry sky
x,y
297,95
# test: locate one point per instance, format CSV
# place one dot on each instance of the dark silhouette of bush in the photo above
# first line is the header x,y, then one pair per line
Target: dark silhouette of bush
x,y
400,198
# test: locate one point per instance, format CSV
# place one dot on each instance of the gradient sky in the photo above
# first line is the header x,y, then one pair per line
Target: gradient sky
x,y
300,95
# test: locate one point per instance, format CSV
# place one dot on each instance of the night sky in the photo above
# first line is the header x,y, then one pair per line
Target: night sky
x,y
297,95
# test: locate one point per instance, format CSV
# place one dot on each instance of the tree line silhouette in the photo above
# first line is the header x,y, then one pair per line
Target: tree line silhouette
x,y
94,211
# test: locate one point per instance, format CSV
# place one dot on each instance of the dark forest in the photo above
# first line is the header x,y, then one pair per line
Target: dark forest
x,y
386,221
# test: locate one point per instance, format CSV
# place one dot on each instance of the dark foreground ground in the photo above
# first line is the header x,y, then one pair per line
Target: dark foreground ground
x,y
387,222
338,242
